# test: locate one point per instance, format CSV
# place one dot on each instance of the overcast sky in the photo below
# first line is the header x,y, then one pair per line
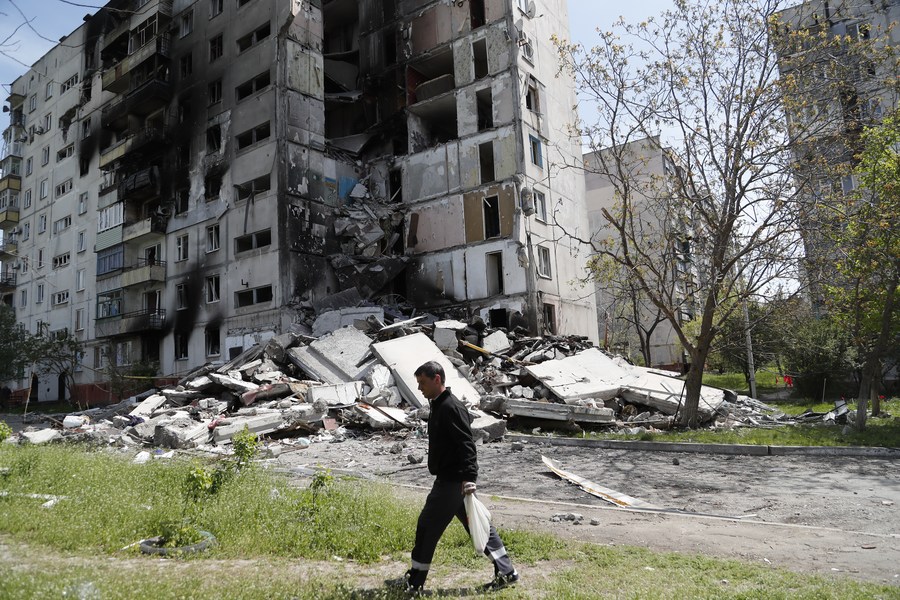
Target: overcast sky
x,y
52,19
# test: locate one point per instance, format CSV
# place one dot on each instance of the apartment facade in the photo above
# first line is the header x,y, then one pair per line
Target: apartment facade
x,y
839,94
629,324
180,177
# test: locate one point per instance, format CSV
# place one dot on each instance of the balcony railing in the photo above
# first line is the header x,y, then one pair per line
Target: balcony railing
x,y
7,279
152,319
132,142
9,248
9,216
149,226
144,271
118,77
12,149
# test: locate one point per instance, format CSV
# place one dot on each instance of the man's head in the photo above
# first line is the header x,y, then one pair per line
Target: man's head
x,y
431,379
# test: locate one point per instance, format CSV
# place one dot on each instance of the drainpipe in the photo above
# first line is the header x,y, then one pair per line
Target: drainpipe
x,y
533,315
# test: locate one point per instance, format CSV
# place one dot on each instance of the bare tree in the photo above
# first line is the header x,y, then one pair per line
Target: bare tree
x,y
720,224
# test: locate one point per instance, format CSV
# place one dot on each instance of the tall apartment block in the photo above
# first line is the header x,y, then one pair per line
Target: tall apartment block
x,y
832,113
180,177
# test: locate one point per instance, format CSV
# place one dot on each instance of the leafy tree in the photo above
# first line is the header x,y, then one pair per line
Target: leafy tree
x,y
13,345
721,225
865,302
819,352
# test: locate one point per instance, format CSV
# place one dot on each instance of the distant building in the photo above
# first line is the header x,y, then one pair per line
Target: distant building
x,y
832,108
180,177
626,315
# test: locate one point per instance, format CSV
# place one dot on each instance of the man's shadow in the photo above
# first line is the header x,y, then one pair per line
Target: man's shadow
x,y
387,593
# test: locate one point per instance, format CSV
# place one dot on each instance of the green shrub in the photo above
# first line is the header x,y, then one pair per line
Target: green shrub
x,y
5,431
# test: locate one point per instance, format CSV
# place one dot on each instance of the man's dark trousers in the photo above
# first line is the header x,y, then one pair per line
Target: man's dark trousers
x,y
443,503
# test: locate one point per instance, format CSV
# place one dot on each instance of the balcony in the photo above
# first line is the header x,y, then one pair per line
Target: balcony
x,y
117,78
153,319
12,149
141,185
10,181
9,216
9,249
132,142
7,280
145,227
144,272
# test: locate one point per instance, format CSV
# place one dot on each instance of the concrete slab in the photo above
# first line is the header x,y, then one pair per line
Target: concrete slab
x,y
558,412
404,355
345,349
233,383
146,408
377,419
665,393
588,374
338,395
258,424
180,433
487,427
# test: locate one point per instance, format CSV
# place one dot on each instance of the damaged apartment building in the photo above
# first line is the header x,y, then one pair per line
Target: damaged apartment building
x,y
181,178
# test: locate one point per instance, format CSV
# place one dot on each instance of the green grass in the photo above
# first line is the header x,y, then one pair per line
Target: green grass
x,y
278,541
765,381
46,408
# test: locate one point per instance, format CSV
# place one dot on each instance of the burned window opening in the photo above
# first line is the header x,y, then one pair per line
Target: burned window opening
x,y
248,88
253,241
253,187
485,107
486,161
499,317
251,39
491,207
258,295
253,136
214,138
480,58
476,13
494,273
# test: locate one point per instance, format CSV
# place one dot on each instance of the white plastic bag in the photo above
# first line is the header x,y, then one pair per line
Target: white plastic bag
x,y
479,521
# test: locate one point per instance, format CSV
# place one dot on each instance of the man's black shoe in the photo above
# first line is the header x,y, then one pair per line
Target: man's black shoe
x,y
405,584
500,582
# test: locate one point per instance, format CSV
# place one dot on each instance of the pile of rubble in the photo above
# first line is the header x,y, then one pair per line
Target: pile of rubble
x,y
349,371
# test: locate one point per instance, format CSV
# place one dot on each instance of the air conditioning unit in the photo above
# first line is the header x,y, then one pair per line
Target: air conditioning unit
x,y
527,198
15,231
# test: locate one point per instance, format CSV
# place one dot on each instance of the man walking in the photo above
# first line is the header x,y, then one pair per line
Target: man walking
x,y
453,461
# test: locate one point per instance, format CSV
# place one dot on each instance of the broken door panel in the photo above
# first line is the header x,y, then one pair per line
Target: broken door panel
x,y
437,226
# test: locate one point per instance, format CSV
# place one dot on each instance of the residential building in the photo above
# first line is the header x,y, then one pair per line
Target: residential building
x,y
629,323
840,90
198,171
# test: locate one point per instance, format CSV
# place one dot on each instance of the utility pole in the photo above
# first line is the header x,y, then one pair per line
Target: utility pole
x,y
750,366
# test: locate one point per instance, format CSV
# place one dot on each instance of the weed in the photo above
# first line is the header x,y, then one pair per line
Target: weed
x,y
5,431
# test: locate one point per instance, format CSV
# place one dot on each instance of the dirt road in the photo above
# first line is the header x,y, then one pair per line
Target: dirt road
x,y
831,515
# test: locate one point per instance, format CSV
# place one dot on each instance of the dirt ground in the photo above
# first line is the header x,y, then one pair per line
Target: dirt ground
x,y
827,515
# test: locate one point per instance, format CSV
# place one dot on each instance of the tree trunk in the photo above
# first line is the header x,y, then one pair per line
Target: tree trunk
x,y
692,384
872,368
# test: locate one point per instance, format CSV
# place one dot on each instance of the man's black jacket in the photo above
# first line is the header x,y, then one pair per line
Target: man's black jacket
x,y
451,448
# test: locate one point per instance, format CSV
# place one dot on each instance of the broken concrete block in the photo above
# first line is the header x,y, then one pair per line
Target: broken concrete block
x,y
235,384
258,424
181,395
380,418
146,408
339,395
277,346
487,428
41,436
179,433
199,383
380,377
445,334
303,414
492,402
147,429
496,343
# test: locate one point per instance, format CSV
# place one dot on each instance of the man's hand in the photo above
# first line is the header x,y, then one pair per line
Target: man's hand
x,y
468,488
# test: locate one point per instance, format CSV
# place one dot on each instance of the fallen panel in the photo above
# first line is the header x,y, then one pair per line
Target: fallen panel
x,y
146,408
258,424
611,496
558,412
666,393
405,354
345,350
383,417
588,374
334,320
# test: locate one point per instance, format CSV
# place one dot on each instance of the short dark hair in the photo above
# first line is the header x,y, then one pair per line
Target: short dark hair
x,y
431,369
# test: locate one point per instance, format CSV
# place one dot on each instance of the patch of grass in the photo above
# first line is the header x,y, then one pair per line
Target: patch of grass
x,y
340,529
765,381
46,408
